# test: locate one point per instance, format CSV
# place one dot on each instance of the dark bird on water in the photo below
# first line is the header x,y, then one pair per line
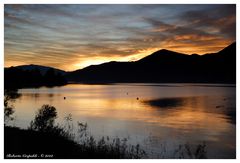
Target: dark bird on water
x,y
64,98
137,98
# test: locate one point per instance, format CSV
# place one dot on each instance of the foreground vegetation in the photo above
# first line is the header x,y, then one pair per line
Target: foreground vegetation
x,y
45,139
52,145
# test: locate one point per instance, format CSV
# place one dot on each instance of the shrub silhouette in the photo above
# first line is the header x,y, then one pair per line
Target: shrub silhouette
x,y
44,119
9,96
8,112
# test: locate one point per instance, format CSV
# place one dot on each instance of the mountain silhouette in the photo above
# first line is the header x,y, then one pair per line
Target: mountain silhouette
x,y
164,66
42,69
26,76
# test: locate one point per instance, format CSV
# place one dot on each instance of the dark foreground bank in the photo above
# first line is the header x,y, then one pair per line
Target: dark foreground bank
x,y
20,143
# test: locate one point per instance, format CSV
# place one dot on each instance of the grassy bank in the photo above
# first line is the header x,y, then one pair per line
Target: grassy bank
x,y
21,143
18,142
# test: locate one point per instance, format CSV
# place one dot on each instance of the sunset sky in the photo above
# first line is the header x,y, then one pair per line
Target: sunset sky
x,y
71,37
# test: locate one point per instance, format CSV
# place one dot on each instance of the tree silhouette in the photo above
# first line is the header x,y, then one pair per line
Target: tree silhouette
x,y
44,119
9,96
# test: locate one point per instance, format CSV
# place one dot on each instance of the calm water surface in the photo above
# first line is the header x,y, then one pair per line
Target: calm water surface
x,y
156,116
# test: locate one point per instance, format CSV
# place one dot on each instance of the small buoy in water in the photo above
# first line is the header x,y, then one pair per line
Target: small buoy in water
x,y
64,98
137,98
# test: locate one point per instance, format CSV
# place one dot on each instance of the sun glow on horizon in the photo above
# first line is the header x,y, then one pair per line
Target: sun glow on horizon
x,y
141,53
104,33
82,63
85,62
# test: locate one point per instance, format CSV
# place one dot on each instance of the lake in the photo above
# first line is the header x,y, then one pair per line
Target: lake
x,y
159,117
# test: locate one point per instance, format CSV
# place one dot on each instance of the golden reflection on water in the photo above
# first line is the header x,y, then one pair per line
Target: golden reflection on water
x,y
184,117
197,113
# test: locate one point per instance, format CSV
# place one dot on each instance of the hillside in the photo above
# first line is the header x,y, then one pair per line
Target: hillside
x,y
165,66
41,69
